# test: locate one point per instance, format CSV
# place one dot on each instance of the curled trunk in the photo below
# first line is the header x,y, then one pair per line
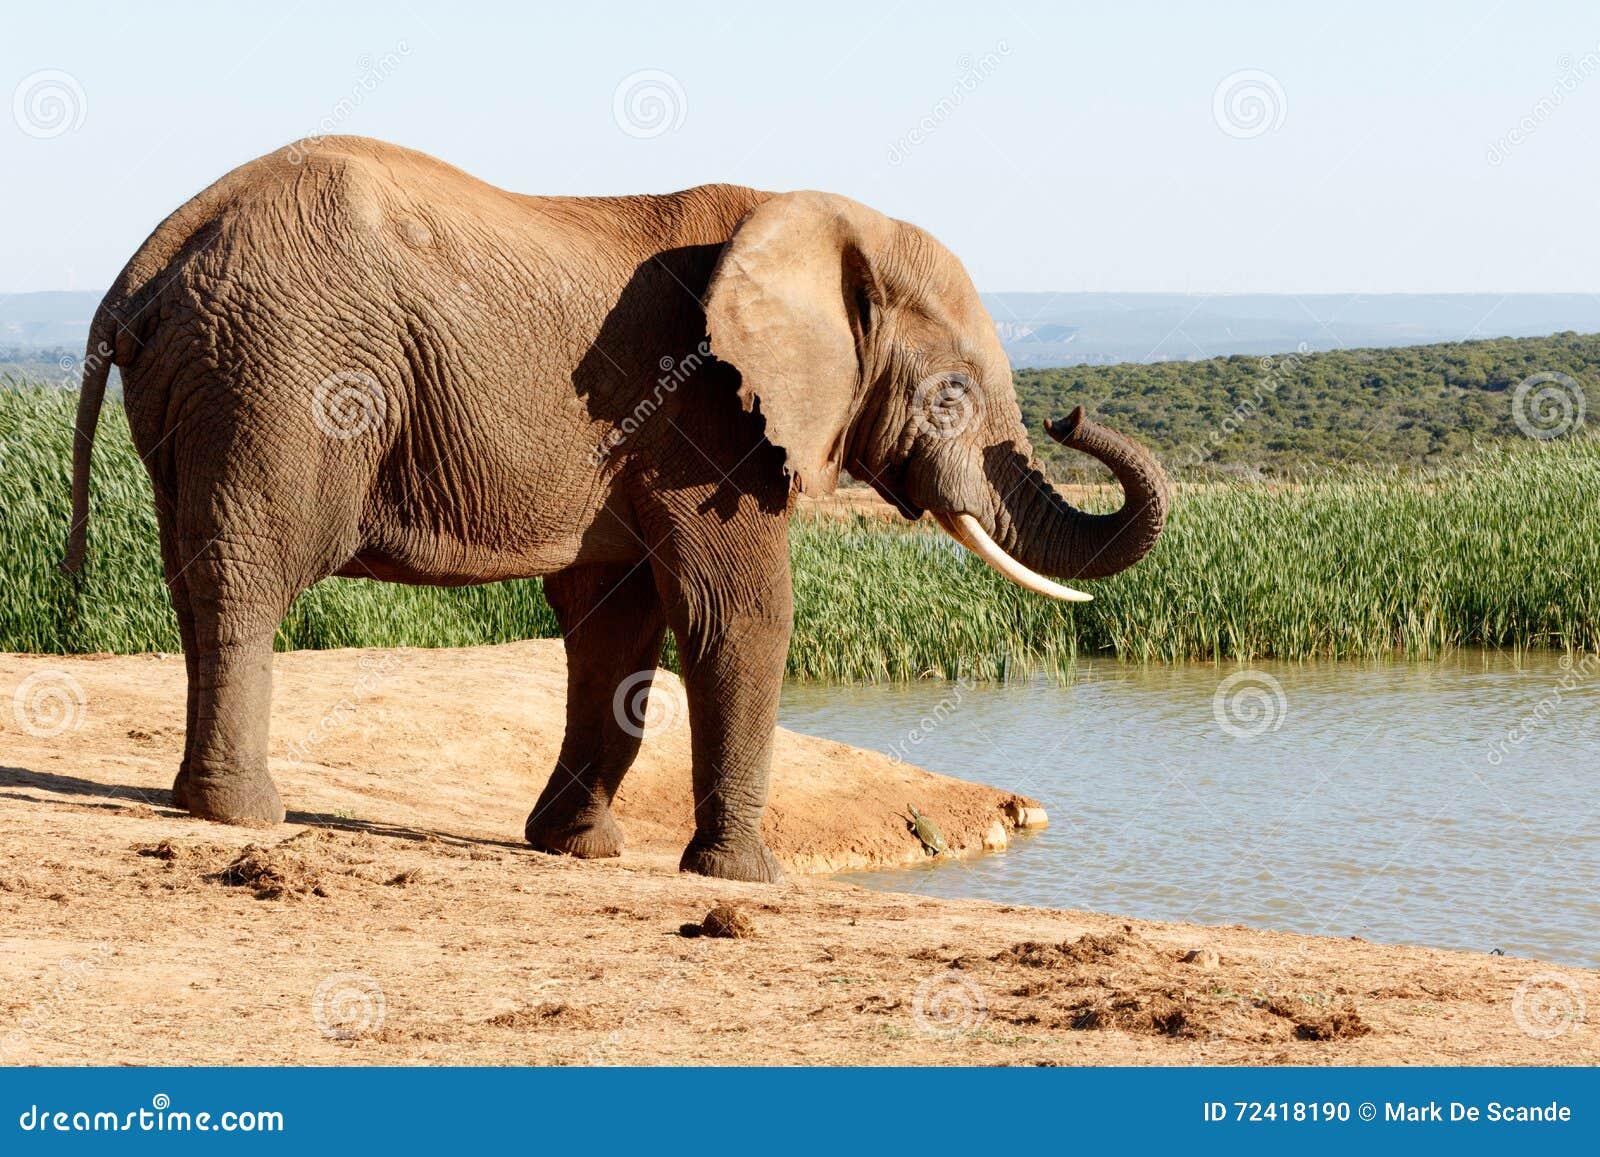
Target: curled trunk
x,y
1048,534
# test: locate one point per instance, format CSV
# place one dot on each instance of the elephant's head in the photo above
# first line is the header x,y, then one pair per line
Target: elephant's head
x,y
863,343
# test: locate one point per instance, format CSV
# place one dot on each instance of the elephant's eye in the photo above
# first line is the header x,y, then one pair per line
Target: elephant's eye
x,y
946,404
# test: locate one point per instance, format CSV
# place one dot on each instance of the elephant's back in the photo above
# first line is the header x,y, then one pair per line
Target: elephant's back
x,y
489,315
285,208
365,221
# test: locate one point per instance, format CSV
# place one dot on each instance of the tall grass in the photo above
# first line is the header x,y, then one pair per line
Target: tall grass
x,y
1501,551
118,601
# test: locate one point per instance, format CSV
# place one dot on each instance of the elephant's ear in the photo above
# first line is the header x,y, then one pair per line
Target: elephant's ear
x,y
787,307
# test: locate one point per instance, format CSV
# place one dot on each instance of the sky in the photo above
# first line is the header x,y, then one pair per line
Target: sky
x,y
1117,147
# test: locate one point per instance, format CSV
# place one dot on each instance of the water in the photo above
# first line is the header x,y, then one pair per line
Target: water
x,y
1449,804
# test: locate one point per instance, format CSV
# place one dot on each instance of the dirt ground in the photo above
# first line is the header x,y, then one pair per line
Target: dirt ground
x,y
847,502
398,919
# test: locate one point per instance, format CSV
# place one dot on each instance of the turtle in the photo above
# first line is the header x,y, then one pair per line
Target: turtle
x,y
927,831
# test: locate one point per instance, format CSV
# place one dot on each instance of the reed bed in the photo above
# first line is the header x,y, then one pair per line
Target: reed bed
x,y
1502,550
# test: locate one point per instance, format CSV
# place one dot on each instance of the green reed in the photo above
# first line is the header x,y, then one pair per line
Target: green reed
x,y
1502,550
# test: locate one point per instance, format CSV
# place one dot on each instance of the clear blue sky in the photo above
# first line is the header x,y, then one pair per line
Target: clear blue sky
x,y
1088,156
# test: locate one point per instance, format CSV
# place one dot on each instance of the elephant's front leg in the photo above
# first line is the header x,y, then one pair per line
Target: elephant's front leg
x,y
732,619
612,625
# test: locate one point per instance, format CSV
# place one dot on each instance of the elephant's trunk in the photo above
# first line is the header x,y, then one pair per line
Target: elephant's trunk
x,y
1037,532
1057,538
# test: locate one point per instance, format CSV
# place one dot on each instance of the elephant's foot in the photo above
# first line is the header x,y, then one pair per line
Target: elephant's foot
x,y
743,859
180,793
592,835
230,797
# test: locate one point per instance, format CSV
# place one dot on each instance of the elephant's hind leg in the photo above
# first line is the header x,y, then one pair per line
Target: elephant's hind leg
x,y
612,624
236,604
172,567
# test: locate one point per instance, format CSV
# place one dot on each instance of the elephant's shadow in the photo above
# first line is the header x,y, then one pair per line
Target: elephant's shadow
x,y
650,376
121,797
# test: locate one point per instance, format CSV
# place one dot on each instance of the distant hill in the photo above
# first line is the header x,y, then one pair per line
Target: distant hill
x,y
1283,414
1068,329
57,366
1281,409
47,320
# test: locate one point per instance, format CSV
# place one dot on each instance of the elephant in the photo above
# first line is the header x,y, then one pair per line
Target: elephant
x,y
349,358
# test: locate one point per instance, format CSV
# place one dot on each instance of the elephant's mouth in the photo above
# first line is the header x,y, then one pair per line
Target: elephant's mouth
x,y
890,491
969,532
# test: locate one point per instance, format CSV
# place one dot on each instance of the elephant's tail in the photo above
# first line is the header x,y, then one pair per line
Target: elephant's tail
x,y
96,368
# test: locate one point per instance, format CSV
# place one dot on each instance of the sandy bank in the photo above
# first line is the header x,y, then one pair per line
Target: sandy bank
x,y
462,741
400,920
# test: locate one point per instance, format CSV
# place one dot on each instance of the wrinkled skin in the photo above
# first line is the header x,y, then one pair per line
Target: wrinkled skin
x,y
368,363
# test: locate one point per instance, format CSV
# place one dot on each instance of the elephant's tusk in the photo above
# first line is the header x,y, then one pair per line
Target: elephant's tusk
x,y
969,532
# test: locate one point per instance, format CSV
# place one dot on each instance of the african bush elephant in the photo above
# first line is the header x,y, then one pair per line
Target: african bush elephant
x,y
348,358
